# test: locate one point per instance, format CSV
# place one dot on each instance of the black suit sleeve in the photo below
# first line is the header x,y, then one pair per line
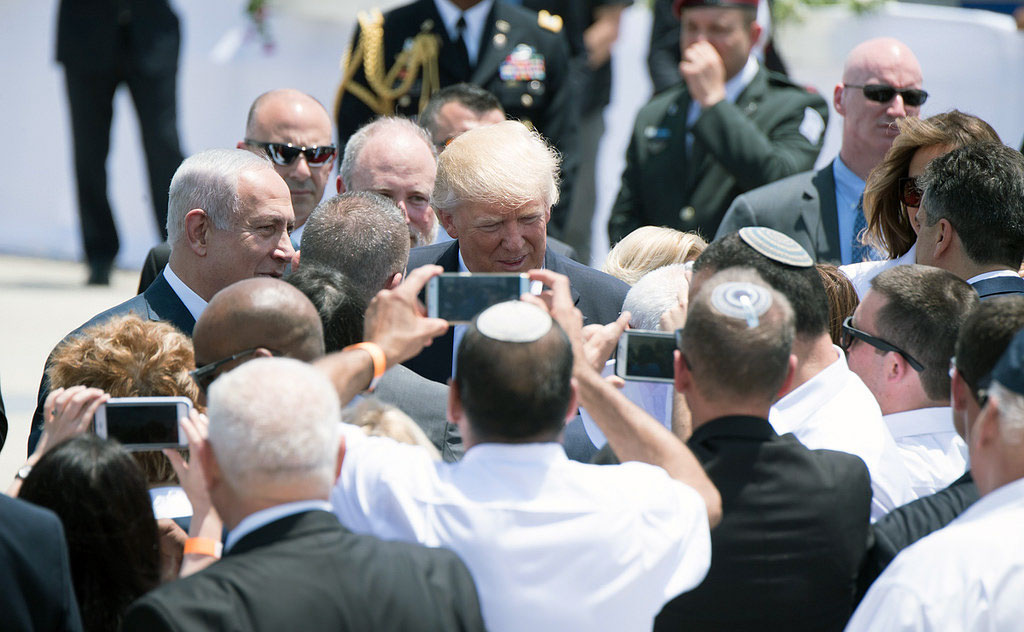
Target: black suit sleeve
x,y
145,615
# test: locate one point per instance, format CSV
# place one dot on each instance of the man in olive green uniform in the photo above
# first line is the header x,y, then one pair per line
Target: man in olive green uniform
x,y
397,60
729,127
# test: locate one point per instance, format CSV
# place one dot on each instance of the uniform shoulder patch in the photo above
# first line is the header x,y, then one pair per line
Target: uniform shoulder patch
x,y
549,21
812,126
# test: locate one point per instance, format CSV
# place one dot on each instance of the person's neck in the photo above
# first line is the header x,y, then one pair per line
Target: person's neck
x,y
465,5
859,162
813,355
188,271
703,411
966,269
237,508
909,402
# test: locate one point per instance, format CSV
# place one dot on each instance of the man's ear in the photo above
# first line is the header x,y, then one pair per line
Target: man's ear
x,y
211,469
261,352
683,378
455,410
295,260
755,33
574,402
446,219
396,280
958,392
341,457
837,100
241,145
197,231
943,238
340,185
790,374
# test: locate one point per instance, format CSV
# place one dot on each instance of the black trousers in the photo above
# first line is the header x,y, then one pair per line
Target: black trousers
x,y
91,97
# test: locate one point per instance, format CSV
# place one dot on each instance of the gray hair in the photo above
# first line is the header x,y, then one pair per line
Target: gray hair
x,y
209,181
655,293
1011,413
360,234
274,420
383,125
504,164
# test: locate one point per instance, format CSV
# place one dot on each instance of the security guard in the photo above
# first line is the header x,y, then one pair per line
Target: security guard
x,y
729,127
397,60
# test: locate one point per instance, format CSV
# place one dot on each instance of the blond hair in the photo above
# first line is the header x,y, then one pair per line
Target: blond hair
x,y
649,248
378,419
505,164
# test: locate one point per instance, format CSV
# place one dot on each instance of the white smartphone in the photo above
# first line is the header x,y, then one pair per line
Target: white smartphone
x,y
143,423
646,356
459,296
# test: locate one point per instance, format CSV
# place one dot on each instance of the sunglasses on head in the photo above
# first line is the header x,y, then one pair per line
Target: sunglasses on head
x,y
849,333
285,154
910,193
883,93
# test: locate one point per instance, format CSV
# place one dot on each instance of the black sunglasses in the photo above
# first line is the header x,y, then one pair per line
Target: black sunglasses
x,y
204,375
910,193
849,333
285,154
883,93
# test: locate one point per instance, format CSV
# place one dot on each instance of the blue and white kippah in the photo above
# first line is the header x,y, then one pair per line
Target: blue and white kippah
x,y
776,246
514,321
743,301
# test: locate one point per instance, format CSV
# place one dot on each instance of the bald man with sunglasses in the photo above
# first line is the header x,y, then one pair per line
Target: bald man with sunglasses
x,y
294,130
822,210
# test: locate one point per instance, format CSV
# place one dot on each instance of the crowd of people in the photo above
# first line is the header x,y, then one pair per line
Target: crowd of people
x,y
840,444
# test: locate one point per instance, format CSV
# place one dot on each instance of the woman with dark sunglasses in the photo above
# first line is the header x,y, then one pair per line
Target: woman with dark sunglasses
x,y
891,195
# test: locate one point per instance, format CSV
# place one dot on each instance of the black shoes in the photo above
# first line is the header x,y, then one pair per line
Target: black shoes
x,y
99,272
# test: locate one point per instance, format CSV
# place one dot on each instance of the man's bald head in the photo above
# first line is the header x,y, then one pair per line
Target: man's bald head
x,y
258,313
868,125
293,118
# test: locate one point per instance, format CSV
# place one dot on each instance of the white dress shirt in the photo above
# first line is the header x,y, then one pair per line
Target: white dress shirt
x,y
192,301
264,517
552,544
966,576
476,20
984,276
834,410
933,452
654,397
860,274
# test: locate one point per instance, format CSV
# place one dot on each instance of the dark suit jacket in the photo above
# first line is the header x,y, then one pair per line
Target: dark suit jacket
x,y
736,148
999,286
158,302
544,101
35,579
426,402
307,572
905,525
792,537
802,206
597,295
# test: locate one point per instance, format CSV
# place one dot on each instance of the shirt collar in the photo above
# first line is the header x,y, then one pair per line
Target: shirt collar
x,y
192,301
526,452
735,86
848,183
264,517
476,19
793,410
991,275
921,421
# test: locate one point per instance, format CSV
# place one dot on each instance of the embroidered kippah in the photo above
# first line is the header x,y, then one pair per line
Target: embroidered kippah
x,y
776,246
514,321
744,301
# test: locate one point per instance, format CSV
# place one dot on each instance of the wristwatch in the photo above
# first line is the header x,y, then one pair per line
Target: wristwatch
x,y
23,472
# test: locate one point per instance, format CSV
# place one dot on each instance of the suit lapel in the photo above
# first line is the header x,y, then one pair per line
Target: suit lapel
x,y
824,213
555,263
492,53
163,304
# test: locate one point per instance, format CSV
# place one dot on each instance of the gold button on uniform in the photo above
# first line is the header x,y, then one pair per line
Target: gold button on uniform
x,y
405,100
500,39
687,214
526,100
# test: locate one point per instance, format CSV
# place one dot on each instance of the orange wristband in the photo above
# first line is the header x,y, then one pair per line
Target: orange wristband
x,y
203,546
380,361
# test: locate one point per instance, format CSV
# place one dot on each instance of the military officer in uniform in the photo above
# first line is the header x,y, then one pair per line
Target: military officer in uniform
x,y
397,60
729,127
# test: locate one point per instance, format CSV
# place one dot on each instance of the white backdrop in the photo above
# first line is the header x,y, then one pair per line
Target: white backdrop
x,y
972,60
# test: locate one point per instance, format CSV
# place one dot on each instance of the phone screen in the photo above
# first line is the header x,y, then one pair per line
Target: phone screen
x,y
461,298
143,423
649,356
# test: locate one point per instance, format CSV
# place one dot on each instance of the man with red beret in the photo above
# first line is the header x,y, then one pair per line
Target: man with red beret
x,y
728,127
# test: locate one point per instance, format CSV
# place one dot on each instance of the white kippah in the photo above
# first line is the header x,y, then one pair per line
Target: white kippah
x,y
744,301
514,321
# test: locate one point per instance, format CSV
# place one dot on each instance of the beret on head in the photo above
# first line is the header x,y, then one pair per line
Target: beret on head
x,y
679,5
